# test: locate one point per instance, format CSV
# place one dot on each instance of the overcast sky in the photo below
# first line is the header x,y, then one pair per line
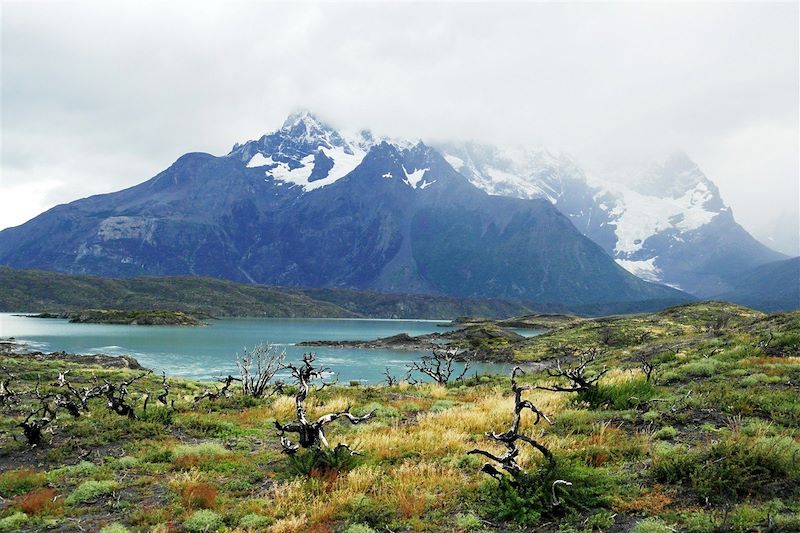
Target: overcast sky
x,y
100,96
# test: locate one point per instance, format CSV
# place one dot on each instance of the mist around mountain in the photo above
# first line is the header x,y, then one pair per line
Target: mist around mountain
x,y
666,222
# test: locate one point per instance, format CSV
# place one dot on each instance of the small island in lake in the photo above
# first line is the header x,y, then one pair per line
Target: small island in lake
x,y
156,317
482,340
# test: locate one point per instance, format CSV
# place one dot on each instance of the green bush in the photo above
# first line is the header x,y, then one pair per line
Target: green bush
x,y
732,468
600,520
620,396
20,481
747,517
160,414
115,528
80,470
701,368
786,522
13,522
579,421
90,490
320,460
441,405
255,522
382,412
666,433
651,525
530,497
469,522
700,522
784,344
362,509
205,449
157,454
126,462
201,427
358,528
410,407
203,521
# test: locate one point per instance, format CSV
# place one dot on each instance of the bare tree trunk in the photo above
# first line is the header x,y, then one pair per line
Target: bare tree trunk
x,y
438,366
310,434
508,461
257,367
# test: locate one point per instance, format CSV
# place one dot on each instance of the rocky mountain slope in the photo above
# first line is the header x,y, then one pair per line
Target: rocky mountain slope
x,y
308,206
667,223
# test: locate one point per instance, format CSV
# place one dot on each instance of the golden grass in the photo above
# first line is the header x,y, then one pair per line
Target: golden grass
x,y
283,407
292,524
335,404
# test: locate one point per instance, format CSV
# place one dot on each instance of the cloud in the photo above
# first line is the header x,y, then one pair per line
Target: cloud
x,y
99,96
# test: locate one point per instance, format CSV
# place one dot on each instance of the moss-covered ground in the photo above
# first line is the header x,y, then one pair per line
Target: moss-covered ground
x,y
711,443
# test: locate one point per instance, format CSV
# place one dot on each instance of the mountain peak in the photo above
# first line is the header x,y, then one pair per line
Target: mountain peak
x,y
304,124
679,161
676,176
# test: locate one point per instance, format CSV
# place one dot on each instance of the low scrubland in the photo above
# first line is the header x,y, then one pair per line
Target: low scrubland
x,y
693,426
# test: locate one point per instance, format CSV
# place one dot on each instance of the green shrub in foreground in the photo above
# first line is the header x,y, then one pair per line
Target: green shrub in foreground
x,y
90,490
320,460
13,522
203,521
469,522
651,525
20,481
619,396
530,498
363,510
358,528
666,433
732,468
115,528
255,522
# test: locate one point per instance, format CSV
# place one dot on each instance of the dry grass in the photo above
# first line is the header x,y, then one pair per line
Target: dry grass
x,y
41,501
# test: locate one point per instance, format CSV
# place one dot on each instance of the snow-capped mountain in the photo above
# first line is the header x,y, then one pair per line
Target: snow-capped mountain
x,y
666,223
305,152
308,153
306,205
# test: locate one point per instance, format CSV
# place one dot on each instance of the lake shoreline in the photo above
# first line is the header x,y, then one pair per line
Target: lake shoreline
x,y
13,348
207,353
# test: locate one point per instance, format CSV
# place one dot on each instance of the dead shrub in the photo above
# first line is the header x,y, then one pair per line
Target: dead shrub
x,y
41,501
199,496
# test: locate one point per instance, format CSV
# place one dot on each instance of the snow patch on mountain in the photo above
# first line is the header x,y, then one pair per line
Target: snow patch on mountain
x,y
414,177
297,176
306,152
455,162
343,163
638,216
518,171
647,269
260,160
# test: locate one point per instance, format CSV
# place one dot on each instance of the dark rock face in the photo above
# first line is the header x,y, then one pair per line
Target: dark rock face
x,y
307,207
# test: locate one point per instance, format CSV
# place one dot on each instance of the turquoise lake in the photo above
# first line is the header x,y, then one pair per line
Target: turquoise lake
x,y
208,352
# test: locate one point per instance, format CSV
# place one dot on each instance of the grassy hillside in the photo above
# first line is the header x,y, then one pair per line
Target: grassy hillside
x,y
710,443
41,291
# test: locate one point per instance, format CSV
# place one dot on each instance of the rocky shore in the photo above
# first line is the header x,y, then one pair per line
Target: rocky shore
x,y
11,347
